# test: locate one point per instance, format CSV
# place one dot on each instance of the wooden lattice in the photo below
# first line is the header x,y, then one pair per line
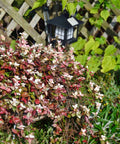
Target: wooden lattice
x,y
18,19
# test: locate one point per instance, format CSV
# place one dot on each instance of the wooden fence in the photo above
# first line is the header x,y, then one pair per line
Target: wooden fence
x,y
108,29
17,19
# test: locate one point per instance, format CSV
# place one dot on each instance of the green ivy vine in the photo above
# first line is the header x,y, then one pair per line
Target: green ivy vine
x,y
97,54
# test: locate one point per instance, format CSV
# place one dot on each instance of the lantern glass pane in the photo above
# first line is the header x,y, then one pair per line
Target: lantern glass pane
x,y
70,33
59,33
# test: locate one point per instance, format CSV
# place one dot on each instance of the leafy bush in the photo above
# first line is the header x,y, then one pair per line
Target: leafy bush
x,y
38,82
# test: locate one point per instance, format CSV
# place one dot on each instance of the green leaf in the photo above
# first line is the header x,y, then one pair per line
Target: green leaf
x,y
99,127
92,20
108,64
118,18
99,22
93,64
82,59
96,45
71,8
118,59
79,44
93,10
8,138
116,3
102,40
27,12
64,3
110,50
81,4
116,39
12,45
105,14
38,4
17,9
89,45
101,1
98,51
92,45
7,74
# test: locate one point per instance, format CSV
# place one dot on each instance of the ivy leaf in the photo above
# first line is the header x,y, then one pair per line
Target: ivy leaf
x,y
81,4
116,39
117,67
96,45
82,59
38,3
101,1
105,14
108,64
93,63
92,20
79,44
64,3
118,59
102,40
98,51
71,8
110,50
27,12
99,22
116,3
93,10
118,18
89,45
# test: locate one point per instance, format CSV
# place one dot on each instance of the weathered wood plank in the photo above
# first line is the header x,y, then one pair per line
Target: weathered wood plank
x,y
116,11
21,21
13,24
33,23
2,12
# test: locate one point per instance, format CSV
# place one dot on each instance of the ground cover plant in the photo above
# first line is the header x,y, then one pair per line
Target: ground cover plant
x,y
46,97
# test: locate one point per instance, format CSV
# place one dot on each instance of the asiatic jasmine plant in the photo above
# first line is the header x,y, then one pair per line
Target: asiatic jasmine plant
x,y
38,82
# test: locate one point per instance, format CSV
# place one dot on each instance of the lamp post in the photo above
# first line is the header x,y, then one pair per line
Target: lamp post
x,y
46,17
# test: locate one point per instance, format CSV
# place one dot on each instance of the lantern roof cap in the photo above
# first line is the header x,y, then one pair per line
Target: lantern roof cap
x,y
64,22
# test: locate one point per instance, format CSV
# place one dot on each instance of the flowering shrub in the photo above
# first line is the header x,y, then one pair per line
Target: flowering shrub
x,y
38,82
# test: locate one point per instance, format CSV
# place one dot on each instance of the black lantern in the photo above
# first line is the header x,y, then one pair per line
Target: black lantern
x,y
63,28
